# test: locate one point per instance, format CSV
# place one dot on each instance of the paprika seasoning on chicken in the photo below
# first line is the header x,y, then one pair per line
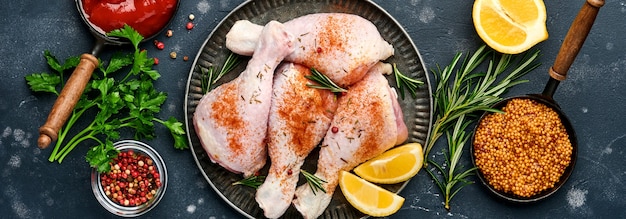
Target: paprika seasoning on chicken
x,y
147,17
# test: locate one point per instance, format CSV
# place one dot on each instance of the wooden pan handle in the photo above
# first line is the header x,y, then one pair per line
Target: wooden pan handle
x,y
575,38
66,101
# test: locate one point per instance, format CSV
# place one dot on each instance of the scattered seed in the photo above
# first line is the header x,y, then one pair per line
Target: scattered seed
x,y
191,17
185,58
169,33
160,45
156,60
189,25
173,55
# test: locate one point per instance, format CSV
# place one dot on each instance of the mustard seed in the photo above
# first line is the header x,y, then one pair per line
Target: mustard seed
x,y
524,150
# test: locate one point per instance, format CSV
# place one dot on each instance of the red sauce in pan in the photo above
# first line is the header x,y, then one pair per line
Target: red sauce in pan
x,y
148,17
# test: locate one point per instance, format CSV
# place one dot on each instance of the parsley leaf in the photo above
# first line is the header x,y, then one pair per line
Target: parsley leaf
x,y
177,131
100,156
129,33
43,82
116,103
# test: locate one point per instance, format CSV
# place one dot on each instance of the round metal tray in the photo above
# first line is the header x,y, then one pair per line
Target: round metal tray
x,y
417,112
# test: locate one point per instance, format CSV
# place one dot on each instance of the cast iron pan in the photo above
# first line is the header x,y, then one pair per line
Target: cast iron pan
x,y
569,50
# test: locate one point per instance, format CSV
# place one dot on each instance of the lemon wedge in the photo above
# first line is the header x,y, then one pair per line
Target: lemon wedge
x,y
368,197
393,166
510,26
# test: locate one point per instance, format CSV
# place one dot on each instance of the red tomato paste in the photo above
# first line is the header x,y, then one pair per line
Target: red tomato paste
x,y
148,17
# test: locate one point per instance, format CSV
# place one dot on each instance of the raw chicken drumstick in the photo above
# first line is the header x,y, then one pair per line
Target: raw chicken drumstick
x,y
367,122
342,46
231,120
298,120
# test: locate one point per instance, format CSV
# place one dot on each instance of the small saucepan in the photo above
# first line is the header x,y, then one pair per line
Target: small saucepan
x,y
149,19
501,173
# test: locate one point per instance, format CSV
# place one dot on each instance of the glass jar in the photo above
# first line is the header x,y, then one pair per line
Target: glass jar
x,y
131,211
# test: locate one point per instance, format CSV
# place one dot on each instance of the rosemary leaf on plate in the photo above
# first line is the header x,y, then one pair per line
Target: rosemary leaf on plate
x,y
210,76
253,181
404,82
314,182
323,82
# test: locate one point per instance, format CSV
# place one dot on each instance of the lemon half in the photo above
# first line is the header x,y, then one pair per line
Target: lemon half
x,y
393,166
510,26
368,197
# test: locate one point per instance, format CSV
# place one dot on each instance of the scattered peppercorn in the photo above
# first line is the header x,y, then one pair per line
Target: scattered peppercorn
x,y
169,33
191,17
156,60
160,45
185,58
524,150
173,55
334,129
189,25
133,179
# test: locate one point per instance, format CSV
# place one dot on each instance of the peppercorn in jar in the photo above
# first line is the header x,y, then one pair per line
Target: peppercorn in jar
x,y
136,182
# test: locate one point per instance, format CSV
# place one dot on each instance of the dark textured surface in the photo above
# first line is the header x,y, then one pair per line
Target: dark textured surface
x,y
592,97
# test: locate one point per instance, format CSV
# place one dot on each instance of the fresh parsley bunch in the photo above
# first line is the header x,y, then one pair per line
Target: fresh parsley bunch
x,y
125,102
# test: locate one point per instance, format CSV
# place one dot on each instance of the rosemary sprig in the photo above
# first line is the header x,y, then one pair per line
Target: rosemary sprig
x,y
323,82
314,182
470,92
210,76
459,95
404,82
451,182
253,181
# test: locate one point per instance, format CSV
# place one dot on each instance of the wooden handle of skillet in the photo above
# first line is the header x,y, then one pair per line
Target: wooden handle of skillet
x,y
66,101
575,38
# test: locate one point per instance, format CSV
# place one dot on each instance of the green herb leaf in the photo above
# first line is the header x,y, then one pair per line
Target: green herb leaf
x,y
52,61
127,101
118,61
177,131
404,82
127,32
209,77
461,93
252,182
323,82
314,182
452,181
100,156
43,82
71,62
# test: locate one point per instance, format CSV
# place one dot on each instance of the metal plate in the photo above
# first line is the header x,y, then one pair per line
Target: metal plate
x,y
417,112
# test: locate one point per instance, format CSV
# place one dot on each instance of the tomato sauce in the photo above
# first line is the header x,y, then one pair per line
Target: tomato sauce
x,y
148,17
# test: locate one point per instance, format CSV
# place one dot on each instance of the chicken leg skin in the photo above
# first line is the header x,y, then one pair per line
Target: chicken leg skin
x,y
299,119
231,120
366,125
342,46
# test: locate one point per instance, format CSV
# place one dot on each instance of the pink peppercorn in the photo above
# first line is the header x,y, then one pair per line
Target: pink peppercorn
x,y
160,45
133,180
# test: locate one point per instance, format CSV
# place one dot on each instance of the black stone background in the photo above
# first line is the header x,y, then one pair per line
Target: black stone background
x,y
593,96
